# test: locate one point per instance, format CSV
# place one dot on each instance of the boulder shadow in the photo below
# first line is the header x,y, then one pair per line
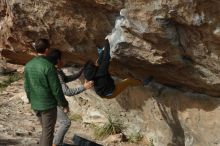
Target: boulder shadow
x,y
169,101
9,142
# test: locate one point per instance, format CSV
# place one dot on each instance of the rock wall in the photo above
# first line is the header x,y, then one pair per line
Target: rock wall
x,y
71,26
176,41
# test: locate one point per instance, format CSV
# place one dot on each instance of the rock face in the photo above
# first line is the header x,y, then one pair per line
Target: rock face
x,y
176,41
71,26
173,118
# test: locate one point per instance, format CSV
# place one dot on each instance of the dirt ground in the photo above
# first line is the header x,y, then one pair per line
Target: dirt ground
x,y
19,126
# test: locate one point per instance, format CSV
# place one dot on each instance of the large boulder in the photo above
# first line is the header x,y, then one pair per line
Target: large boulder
x,y
176,41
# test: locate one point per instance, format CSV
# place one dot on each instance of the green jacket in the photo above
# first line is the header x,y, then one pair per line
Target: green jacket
x,y
42,85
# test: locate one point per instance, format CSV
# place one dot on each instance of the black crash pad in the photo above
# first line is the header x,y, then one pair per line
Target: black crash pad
x,y
80,141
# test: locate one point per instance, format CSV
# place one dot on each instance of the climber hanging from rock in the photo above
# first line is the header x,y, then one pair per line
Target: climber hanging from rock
x,y
104,85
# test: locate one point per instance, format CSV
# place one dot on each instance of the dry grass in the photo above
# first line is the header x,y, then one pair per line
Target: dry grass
x,y
113,126
10,79
75,117
135,137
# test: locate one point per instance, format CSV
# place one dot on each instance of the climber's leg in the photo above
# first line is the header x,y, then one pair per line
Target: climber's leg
x,y
122,85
